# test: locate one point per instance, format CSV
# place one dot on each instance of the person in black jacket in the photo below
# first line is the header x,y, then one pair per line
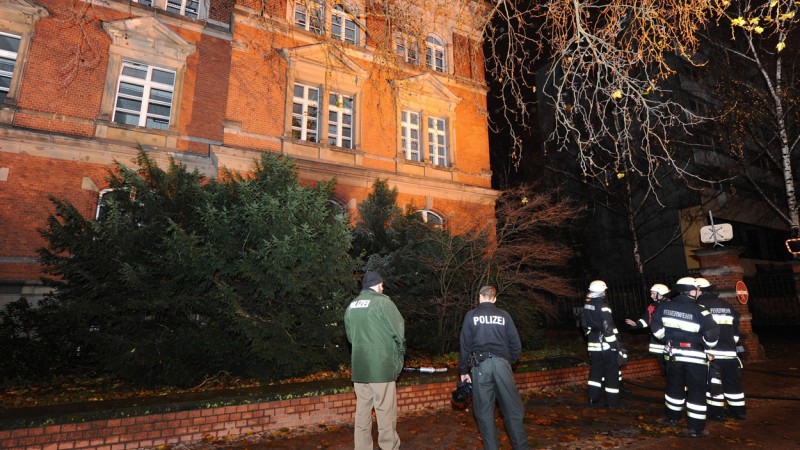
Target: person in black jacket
x,y
490,344
724,366
603,345
658,295
687,330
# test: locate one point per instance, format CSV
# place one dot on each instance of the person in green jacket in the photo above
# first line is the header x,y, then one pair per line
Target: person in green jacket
x,y
376,331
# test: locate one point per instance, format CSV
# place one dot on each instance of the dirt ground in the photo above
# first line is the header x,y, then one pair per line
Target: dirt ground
x,y
561,419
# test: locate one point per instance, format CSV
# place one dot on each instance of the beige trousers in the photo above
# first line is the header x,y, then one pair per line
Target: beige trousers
x,y
382,397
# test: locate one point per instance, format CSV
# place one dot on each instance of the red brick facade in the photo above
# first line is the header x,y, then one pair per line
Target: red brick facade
x,y
171,428
721,267
234,72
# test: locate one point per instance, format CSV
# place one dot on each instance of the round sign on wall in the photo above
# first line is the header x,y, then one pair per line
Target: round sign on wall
x,y
741,292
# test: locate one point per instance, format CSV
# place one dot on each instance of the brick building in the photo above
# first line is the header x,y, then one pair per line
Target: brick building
x,y
353,90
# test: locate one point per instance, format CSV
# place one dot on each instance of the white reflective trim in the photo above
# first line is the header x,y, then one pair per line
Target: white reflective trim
x,y
728,354
659,334
715,403
689,360
612,391
611,338
695,415
723,319
710,343
595,383
671,322
677,401
732,403
643,323
696,407
735,396
674,407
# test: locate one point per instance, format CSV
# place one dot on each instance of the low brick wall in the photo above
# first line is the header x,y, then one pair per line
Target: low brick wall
x,y
149,431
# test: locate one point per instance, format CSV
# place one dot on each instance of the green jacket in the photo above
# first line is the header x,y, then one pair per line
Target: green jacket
x,y
376,330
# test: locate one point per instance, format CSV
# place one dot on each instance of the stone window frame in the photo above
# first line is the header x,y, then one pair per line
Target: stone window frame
x,y
341,111
437,222
18,18
148,85
148,41
167,5
430,98
433,133
323,12
305,103
406,127
330,71
431,49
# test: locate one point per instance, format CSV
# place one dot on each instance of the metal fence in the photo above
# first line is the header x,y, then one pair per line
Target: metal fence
x,y
773,298
627,295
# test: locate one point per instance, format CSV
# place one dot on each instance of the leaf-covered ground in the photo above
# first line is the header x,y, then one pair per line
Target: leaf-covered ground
x,y
62,390
562,420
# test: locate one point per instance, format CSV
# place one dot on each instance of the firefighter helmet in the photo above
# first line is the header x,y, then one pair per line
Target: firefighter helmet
x,y
702,283
686,284
597,286
660,289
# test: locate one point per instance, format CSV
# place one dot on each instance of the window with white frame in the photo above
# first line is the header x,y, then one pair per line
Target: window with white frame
x,y
343,26
144,96
305,113
340,120
410,135
9,49
437,141
407,48
309,15
434,54
188,8
431,218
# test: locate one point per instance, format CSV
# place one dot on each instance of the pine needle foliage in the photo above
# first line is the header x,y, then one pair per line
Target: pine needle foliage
x,y
183,277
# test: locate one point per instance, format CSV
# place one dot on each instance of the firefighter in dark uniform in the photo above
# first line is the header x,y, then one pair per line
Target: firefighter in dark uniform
x,y
490,344
603,345
724,366
658,296
687,330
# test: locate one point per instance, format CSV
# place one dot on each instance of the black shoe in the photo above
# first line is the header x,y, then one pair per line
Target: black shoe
x,y
624,391
718,419
697,433
594,403
669,422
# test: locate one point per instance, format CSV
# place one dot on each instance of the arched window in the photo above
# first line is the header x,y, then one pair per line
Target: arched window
x,y
431,218
434,54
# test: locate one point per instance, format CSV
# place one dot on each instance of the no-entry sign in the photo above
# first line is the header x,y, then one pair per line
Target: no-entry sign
x,y
741,292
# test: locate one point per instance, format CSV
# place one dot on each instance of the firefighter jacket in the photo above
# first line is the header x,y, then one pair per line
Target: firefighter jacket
x,y
728,320
488,328
376,331
656,346
686,328
598,325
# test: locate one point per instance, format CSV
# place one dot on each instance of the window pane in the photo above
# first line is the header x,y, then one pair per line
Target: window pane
x,y
311,137
298,91
7,65
346,143
126,118
131,90
347,119
333,116
129,104
161,95
332,98
160,76
313,94
9,43
134,71
297,108
312,111
332,129
160,110
158,124
5,83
